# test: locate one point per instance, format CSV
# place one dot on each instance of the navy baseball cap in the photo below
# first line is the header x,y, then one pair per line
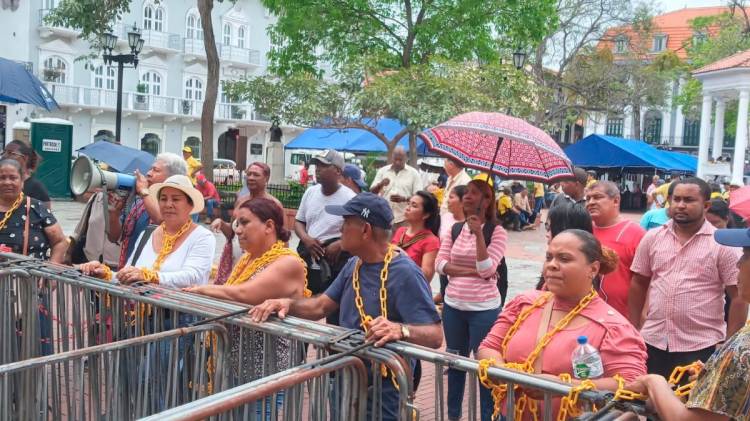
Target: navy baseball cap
x,y
372,208
733,237
352,171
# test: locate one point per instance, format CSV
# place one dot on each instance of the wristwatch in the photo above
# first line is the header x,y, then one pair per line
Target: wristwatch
x,y
405,334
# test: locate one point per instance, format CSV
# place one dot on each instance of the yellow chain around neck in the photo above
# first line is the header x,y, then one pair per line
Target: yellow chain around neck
x,y
10,211
527,366
365,318
246,267
167,245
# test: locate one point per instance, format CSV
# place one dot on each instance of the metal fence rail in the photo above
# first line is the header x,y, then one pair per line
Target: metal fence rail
x,y
88,312
337,387
116,381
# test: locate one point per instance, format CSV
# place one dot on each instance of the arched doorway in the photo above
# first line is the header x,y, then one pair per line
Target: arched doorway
x,y
104,135
195,144
228,145
652,127
151,143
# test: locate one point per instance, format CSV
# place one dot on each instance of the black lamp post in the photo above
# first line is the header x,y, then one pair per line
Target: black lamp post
x,y
136,44
519,58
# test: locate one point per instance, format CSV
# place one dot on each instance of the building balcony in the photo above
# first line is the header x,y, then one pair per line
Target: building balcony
x,y
47,30
238,57
193,49
98,100
153,41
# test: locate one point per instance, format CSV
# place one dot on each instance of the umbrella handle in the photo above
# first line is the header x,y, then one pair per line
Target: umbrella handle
x,y
497,149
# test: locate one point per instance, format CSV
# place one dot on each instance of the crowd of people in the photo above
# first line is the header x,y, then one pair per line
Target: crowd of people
x,y
648,297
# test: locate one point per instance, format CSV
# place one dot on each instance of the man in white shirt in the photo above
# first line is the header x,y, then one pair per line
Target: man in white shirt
x,y
319,232
397,183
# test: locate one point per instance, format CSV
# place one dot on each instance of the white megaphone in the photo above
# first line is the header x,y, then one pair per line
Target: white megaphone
x,y
85,176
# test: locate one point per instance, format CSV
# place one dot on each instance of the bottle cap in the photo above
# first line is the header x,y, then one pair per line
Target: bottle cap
x,y
582,340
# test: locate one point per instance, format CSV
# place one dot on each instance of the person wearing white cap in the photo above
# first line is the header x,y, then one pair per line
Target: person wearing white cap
x,y
178,253
320,232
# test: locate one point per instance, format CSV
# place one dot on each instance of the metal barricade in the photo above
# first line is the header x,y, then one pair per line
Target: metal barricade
x,y
87,312
116,381
336,385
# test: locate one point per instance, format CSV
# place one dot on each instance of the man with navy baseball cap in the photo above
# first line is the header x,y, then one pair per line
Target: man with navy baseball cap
x,y
411,314
352,177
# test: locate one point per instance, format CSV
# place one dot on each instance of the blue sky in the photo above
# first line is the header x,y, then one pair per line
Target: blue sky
x,y
670,5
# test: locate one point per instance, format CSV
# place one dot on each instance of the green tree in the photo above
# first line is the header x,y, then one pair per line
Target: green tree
x,y
395,34
94,18
419,96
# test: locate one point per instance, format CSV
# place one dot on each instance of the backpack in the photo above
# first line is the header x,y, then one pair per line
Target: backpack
x,y
502,268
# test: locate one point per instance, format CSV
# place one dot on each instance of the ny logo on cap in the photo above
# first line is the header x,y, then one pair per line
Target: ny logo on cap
x,y
365,213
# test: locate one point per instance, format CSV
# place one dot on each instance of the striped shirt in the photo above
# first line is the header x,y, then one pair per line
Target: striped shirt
x,y
469,293
686,295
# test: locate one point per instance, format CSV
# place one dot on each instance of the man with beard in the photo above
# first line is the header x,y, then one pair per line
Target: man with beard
x,y
685,273
319,232
125,225
617,233
721,388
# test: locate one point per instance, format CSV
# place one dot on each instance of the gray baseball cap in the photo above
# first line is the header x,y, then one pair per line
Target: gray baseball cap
x,y
329,157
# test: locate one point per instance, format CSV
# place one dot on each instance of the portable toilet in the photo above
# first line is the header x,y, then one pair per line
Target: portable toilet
x,y
52,139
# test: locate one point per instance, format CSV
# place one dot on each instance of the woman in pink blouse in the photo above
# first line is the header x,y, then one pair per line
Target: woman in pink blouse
x,y
419,237
472,300
574,260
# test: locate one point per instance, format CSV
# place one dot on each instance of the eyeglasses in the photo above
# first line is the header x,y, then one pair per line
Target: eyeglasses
x,y
13,154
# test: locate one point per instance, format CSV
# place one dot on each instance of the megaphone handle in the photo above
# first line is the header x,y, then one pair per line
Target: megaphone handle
x,y
105,200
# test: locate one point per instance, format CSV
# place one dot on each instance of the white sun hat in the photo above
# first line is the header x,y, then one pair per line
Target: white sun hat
x,y
183,184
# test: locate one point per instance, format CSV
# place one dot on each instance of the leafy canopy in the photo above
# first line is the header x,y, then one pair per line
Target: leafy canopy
x,y
400,33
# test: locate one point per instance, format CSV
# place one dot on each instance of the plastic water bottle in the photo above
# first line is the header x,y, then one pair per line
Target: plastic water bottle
x,y
587,363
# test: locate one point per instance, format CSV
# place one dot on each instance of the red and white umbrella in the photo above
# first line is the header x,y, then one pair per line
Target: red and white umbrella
x,y
497,143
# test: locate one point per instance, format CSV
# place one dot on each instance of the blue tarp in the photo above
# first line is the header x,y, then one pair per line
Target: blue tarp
x,y
600,151
354,140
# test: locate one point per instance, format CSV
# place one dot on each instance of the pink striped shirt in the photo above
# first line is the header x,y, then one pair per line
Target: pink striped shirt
x,y
686,296
470,293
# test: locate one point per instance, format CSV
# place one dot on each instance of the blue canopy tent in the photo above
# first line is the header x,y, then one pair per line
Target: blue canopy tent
x,y
609,152
354,140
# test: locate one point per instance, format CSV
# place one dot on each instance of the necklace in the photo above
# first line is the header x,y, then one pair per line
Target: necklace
x,y
365,318
167,244
527,366
10,211
246,267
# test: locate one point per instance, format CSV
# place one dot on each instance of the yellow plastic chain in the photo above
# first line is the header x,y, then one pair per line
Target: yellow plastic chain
x,y
10,211
499,390
623,394
678,373
365,318
247,266
569,404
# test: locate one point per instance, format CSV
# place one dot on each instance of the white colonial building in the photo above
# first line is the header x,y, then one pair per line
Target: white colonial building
x,y
162,99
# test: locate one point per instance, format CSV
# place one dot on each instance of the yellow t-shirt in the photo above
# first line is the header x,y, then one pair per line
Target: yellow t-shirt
x,y
538,190
503,204
661,193
716,195
192,165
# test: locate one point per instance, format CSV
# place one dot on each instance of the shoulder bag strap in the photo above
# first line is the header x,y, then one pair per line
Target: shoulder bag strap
x,y
144,239
543,328
26,228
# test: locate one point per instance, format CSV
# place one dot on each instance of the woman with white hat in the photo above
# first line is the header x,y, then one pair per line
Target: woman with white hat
x,y
179,253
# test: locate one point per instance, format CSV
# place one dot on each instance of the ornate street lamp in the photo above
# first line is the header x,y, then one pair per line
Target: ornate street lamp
x,y
519,58
109,42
